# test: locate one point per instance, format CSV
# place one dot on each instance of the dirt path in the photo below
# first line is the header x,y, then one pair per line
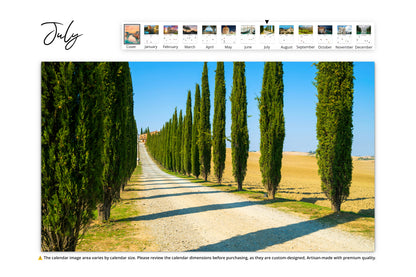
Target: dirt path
x,y
185,216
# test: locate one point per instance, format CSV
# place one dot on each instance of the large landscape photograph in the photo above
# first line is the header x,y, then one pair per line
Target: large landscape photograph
x,y
208,156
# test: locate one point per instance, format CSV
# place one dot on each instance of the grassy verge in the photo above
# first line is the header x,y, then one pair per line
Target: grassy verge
x,y
361,223
120,236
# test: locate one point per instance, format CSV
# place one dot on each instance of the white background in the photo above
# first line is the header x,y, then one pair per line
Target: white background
x,y
22,51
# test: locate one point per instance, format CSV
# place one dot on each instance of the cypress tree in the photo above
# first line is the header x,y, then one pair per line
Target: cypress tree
x,y
71,161
187,155
272,126
205,126
89,131
168,138
163,152
174,141
118,87
131,130
111,170
218,126
58,105
334,83
183,145
179,143
127,118
165,139
195,134
239,130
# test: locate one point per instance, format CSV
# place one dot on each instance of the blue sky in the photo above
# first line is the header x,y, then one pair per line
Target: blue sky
x,y
159,87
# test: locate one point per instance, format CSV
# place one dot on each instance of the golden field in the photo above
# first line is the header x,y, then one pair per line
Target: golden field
x,y
300,180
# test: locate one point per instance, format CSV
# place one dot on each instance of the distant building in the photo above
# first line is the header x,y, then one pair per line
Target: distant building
x,y
143,137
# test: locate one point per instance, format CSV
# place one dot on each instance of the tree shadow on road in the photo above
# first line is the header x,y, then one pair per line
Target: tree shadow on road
x,y
331,220
193,210
262,239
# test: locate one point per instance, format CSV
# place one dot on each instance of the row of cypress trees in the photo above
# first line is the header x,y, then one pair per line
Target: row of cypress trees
x,y
334,82
186,148
194,136
88,145
172,145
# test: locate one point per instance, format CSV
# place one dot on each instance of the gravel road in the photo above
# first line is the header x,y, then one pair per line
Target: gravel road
x,y
185,216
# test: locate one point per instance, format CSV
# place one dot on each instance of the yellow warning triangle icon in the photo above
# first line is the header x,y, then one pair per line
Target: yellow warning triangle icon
x,y
40,258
